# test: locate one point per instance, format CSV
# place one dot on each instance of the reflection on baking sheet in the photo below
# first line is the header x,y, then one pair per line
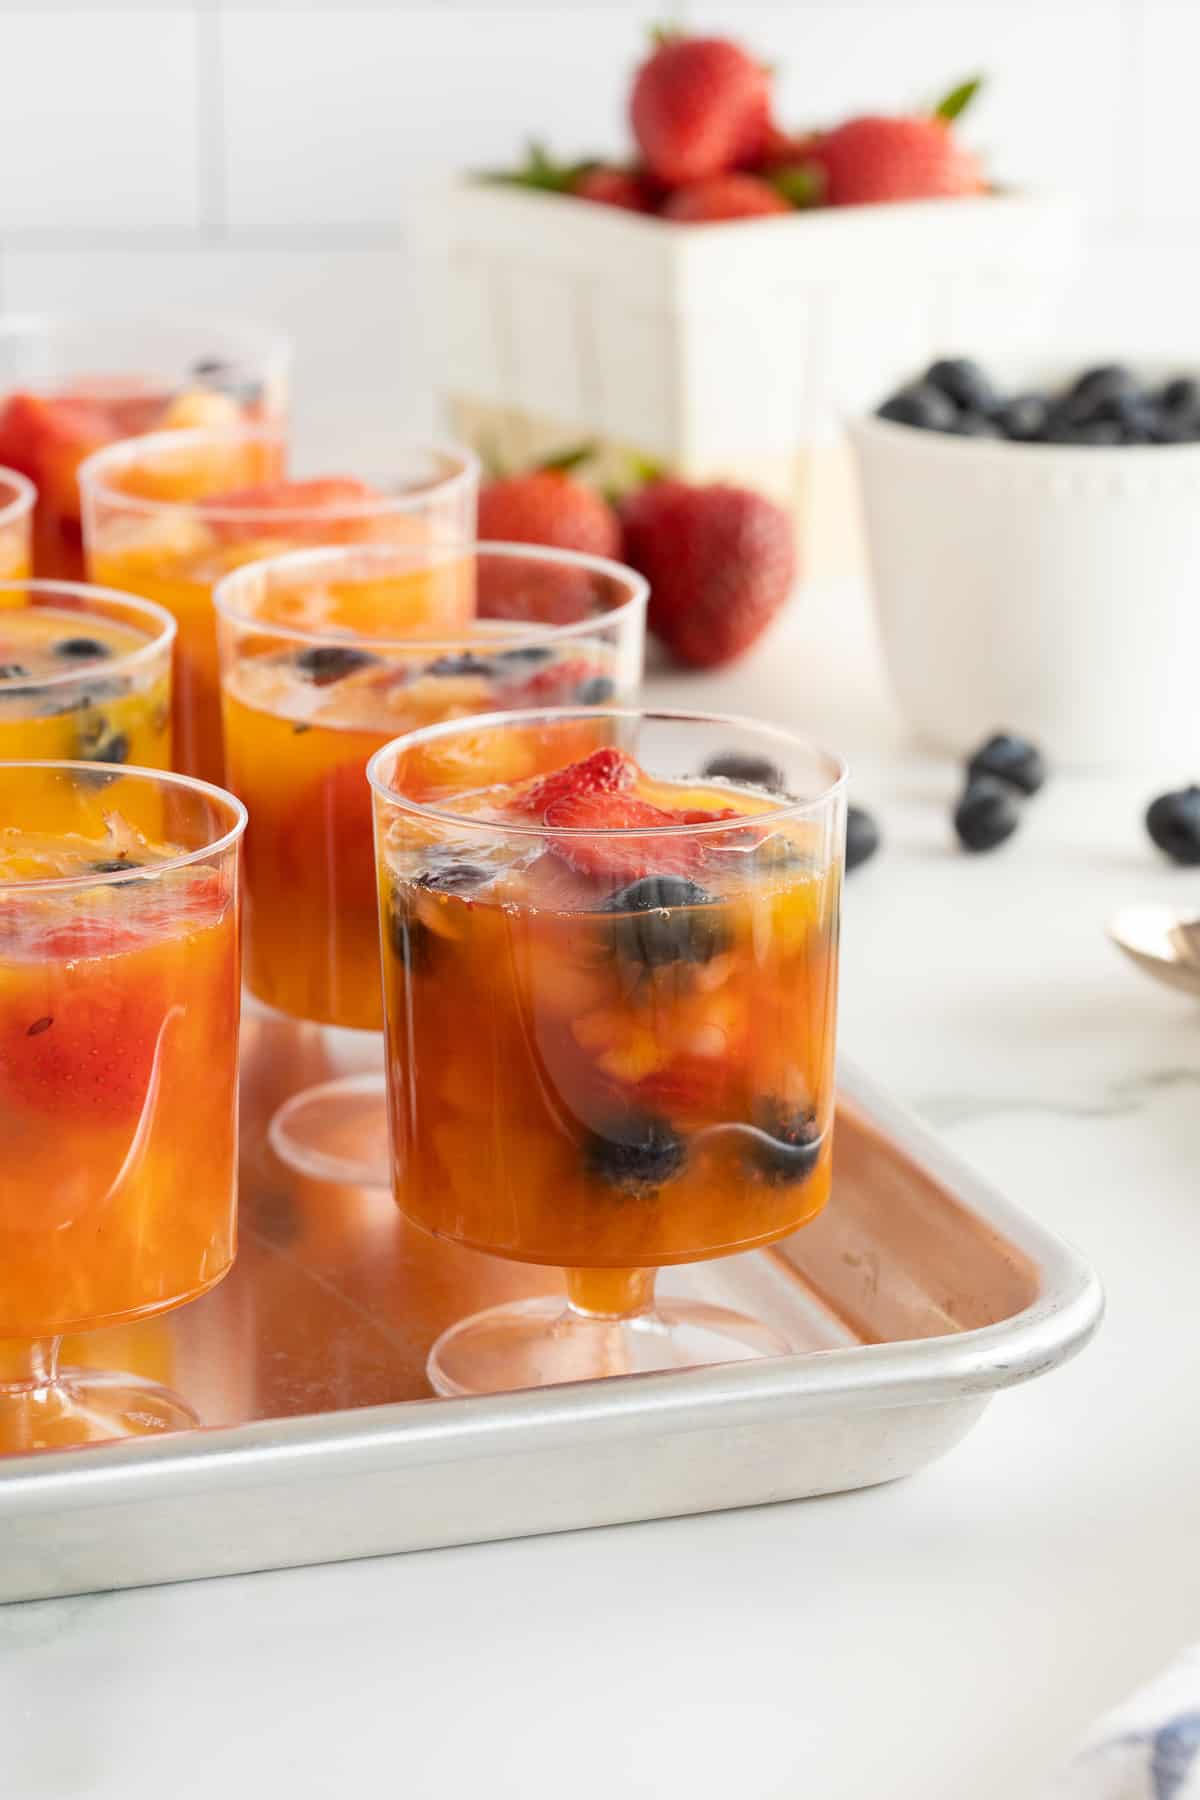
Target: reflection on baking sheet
x,y
334,1300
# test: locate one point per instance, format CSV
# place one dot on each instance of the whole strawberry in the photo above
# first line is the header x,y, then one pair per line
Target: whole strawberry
x,y
724,197
608,185
699,107
872,159
720,561
549,505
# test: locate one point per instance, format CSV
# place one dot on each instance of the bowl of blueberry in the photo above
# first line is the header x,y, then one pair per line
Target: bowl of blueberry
x,y
1033,535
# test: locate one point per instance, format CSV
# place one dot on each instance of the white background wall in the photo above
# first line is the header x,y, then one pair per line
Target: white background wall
x,y
267,159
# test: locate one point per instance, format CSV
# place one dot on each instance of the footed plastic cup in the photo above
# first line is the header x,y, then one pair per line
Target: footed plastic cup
x,y
609,985
119,1006
325,656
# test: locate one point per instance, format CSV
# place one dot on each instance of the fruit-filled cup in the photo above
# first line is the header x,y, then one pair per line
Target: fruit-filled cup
x,y
169,515
609,985
85,674
325,658
119,1002
18,496
70,386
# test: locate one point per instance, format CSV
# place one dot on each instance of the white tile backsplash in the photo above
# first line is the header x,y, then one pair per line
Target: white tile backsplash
x,y
100,124
270,156
344,118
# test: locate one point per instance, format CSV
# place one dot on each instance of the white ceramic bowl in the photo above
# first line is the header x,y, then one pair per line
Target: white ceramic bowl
x,y
1040,588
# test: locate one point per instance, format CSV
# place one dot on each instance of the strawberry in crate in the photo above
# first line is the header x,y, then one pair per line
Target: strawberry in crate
x,y
709,147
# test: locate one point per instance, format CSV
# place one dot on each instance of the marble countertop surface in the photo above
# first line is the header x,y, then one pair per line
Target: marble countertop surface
x,y
945,1637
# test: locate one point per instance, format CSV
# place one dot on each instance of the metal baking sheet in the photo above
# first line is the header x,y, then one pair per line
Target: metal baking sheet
x,y
913,1298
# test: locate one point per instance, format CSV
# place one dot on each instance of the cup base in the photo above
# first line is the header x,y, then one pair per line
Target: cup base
x,y
542,1342
337,1132
87,1406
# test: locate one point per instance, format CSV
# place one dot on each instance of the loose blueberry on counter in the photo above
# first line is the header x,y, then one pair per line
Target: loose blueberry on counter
x,y
465,664
785,1145
636,1154
454,878
963,382
921,405
1173,821
667,919
81,649
986,815
597,690
1006,757
12,671
326,663
744,767
862,837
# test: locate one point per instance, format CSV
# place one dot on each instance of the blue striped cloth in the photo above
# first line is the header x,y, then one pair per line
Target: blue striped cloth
x,y
1148,1748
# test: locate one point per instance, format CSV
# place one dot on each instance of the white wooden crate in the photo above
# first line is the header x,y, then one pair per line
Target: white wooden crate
x,y
730,349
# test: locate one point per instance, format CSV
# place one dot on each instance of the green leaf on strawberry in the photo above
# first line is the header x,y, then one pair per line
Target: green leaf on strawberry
x,y
956,102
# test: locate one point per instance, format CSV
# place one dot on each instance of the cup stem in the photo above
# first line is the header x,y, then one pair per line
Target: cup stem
x,y
610,1293
28,1365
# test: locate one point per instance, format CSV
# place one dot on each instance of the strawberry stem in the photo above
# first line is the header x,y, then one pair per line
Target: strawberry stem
x,y
563,461
956,102
801,184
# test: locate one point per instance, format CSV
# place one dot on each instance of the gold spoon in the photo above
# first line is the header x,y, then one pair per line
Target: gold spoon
x,y
1163,942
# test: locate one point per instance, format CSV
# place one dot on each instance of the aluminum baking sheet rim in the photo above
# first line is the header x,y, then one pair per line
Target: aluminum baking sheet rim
x,y
860,1378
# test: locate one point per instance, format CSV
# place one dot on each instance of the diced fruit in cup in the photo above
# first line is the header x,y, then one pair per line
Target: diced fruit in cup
x,y
633,1018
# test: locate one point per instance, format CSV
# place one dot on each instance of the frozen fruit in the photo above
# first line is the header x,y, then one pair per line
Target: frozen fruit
x,y
597,690
554,685
1173,821
323,493
454,878
921,405
93,1056
549,505
600,851
862,836
699,107
99,743
720,561
411,940
873,159
465,663
527,590
986,814
635,1153
115,865
785,1143
745,767
666,919
324,664
723,197
81,649
12,671
1009,758
605,771
609,186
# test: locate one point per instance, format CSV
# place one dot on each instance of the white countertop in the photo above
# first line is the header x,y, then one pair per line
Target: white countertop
x,y
945,1638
